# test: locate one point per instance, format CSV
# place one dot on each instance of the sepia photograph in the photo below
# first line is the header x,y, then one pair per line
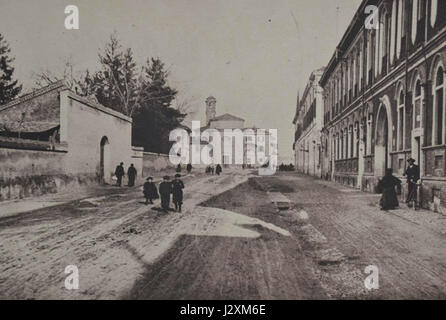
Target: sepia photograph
x,y
207,151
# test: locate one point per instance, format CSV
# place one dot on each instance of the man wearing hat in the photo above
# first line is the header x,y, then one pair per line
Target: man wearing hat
x,y
177,191
165,191
413,175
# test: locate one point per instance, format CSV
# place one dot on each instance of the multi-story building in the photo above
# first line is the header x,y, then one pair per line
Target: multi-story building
x,y
384,97
252,139
308,122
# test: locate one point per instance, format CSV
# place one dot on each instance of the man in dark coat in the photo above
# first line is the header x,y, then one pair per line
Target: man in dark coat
x,y
189,168
413,175
119,173
165,191
387,185
131,173
177,191
150,191
178,169
218,169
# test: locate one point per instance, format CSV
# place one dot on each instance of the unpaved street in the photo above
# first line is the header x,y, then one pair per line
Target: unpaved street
x,y
230,242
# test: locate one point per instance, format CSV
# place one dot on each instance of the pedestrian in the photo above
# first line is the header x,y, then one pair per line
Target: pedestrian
x,y
177,191
150,191
189,168
212,169
387,186
178,170
413,175
131,173
119,173
218,169
165,191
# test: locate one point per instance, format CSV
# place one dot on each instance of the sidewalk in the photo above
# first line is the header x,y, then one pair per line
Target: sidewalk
x,y
429,219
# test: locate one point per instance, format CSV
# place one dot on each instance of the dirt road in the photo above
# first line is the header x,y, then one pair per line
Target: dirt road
x,y
229,243
319,249
110,239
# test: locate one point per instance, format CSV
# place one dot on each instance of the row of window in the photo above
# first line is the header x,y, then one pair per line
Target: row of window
x,y
374,57
410,116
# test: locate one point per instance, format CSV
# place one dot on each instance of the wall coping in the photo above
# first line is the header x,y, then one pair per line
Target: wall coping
x,y
33,145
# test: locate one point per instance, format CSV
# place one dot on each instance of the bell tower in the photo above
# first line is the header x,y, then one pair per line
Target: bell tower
x,y
211,111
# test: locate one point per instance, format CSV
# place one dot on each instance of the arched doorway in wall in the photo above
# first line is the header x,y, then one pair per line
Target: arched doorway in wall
x,y
382,141
104,162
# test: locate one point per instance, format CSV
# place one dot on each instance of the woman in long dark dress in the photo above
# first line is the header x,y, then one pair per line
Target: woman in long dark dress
x,y
150,191
387,184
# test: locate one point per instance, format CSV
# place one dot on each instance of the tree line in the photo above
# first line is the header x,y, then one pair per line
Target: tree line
x,y
140,92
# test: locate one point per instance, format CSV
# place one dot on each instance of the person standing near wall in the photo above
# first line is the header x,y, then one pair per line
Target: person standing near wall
x,y
413,175
218,169
119,173
189,168
387,185
131,173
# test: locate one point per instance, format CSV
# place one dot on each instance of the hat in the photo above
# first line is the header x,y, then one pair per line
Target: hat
x,y
177,175
166,177
148,178
411,160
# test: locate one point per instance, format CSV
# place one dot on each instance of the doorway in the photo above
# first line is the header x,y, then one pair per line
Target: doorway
x,y
104,160
382,143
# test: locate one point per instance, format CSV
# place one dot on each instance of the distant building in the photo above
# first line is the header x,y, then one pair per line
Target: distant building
x,y
230,122
384,97
308,122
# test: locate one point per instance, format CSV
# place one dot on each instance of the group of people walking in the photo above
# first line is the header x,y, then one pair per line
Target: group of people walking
x,y
131,174
166,188
211,170
388,184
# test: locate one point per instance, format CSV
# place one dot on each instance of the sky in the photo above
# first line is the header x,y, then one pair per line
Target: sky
x,y
253,56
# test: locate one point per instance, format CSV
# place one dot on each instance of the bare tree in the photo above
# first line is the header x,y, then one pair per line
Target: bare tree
x,y
68,73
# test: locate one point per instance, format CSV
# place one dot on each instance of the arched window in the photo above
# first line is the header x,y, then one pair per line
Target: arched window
x,y
399,28
439,111
417,105
351,154
414,20
434,10
401,120
393,30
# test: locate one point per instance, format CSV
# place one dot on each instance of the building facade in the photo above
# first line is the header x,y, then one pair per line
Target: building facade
x,y
384,98
308,122
252,138
53,138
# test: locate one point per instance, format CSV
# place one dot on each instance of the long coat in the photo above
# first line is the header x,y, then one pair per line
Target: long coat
x,y
150,190
177,191
389,199
119,172
165,191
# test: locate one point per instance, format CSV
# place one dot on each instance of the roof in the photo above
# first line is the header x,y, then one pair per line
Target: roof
x,y
28,96
227,117
34,126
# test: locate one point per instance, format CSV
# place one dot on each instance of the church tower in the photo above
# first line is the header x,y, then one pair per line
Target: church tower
x,y
211,111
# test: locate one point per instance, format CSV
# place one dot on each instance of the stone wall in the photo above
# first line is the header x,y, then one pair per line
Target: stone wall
x,y
155,164
32,172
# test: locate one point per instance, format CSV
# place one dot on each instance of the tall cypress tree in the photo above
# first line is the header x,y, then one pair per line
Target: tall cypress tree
x,y
8,87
